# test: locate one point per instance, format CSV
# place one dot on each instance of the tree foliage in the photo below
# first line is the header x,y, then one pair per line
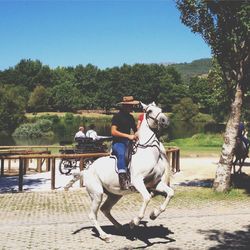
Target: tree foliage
x,y
38,100
225,26
11,112
186,110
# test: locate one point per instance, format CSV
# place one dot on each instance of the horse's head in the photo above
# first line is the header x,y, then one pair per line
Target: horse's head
x,y
156,119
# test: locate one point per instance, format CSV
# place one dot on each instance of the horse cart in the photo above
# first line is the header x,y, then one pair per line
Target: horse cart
x,y
83,146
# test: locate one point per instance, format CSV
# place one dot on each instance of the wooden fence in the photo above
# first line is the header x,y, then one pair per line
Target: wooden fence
x,y
173,155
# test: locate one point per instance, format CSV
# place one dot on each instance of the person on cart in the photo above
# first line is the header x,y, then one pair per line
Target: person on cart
x,y
80,134
91,133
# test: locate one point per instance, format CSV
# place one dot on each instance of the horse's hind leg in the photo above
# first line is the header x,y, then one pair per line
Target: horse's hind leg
x,y
162,187
95,191
111,200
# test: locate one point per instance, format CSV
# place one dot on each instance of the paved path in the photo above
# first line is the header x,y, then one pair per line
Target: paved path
x,y
58,220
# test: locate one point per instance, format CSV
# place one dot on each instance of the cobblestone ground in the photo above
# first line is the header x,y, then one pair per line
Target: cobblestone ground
x,y
59,220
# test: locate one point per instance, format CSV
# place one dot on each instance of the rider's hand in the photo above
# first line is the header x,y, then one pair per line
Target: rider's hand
x,y
132,137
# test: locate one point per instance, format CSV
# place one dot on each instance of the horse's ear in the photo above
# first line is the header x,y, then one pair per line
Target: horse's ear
x,y
144,106
153,103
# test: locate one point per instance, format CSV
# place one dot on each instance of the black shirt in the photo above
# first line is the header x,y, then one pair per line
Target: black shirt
x,y
124,123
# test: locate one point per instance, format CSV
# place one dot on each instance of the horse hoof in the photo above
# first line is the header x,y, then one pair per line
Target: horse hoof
x,y
106,238
152,216
66,189
131,225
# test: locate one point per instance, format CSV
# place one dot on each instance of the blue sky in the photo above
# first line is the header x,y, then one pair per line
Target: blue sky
x,y
101,32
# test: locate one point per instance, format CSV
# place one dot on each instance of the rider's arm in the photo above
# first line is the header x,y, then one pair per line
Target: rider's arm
x,y
115,132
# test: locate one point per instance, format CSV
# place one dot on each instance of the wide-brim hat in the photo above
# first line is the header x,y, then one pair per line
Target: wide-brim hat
x,y
129,100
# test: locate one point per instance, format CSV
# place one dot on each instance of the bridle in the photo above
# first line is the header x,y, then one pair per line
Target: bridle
x,y
155,120
153,141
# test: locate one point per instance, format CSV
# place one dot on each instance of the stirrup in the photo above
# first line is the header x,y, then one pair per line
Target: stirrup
x,y
123,181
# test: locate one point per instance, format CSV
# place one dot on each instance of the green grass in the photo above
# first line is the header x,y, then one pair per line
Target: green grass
x,y
204,194
199,144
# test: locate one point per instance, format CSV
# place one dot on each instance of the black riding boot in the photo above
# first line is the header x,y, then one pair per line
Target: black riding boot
x,y
123,181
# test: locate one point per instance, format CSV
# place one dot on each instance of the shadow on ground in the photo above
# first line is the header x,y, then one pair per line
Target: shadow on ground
x,y
152,235
239,240
10,183
197,183
241,181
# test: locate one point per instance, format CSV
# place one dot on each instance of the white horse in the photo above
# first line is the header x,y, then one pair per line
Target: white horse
x,y
147,168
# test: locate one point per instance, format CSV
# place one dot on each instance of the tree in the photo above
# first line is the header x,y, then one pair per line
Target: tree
x,y
27,70
185,110
219,101
64,97
201,91
225,26
171,90
38,100
11,112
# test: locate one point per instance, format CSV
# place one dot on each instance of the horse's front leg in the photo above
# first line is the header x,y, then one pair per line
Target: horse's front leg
x,y
140,186
162,187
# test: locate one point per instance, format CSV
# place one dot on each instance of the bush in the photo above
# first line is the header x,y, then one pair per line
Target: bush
x,y
53,118
69,118
44,125
41,128
200,117
186,110
213,127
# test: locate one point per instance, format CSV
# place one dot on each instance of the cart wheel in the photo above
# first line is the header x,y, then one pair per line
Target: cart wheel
x,y
65,166
88,162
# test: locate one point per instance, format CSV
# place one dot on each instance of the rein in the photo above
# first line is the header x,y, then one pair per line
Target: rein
x,y
146,144
154,119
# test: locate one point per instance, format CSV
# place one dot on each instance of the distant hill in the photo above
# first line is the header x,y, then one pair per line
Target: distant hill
x,y
196,67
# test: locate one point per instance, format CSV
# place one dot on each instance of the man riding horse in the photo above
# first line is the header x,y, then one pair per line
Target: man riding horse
x,y
122,124
149,169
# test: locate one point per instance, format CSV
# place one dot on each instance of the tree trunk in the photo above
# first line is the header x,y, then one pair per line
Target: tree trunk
x,y
223,172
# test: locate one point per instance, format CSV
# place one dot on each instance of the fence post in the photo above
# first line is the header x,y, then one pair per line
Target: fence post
x,y
39,165
81,168
2,167
47,164
53,173
24,166
173,161
20,183
168,155
178,160
173,156
9,165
